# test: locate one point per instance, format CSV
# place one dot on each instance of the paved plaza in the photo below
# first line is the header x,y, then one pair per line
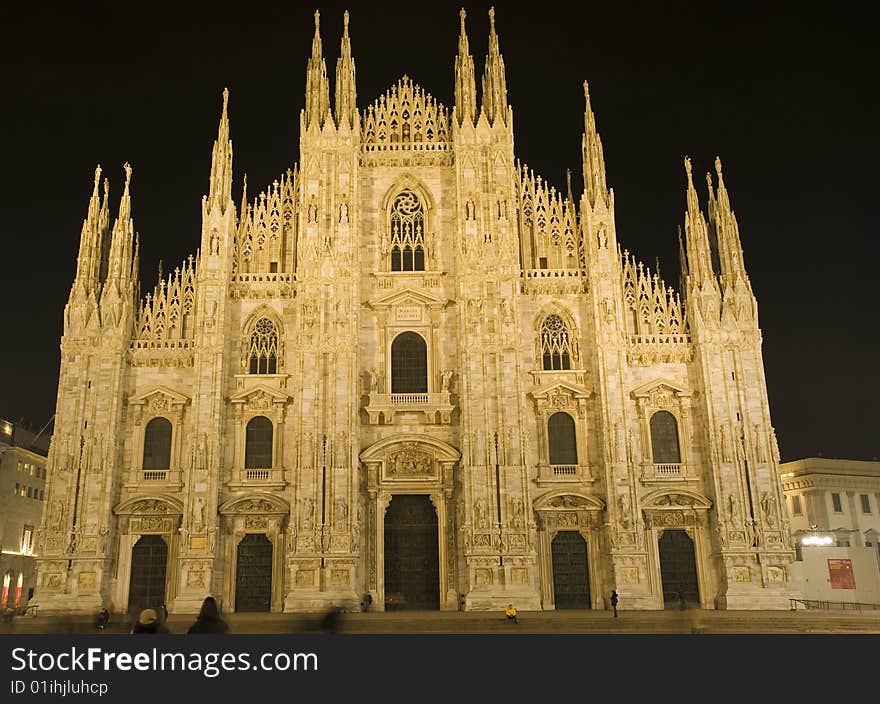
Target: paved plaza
x,y
692,621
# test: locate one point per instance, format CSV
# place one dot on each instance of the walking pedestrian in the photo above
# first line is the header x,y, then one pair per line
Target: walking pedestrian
x,y
614,599
209,620
510,612
368,601
682,602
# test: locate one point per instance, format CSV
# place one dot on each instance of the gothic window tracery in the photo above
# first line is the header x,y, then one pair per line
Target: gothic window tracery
x,y
263,349
258,443
557,347
157,444
407,233
664,438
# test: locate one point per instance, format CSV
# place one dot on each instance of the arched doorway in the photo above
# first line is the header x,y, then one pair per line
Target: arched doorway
x,y
678,568
149,562
571,581
253,573
412,557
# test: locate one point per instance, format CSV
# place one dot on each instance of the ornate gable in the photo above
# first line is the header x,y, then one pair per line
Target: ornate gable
x,y
560,396
408,297
260,398
158,401
660,393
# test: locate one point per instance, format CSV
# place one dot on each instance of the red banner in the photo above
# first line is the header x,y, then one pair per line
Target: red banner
x,y
842,575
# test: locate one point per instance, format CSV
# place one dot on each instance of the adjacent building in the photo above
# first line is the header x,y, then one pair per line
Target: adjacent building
x,y
413,368
22,498
834,507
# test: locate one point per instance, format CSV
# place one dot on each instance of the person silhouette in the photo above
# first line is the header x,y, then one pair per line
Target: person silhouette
x,y
615,598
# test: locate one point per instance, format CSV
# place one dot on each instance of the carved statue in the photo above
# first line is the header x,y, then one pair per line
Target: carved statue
x,y
768,506
203,451
480,514
308,509
343,212
340,512
446,379
733,509
517,511
723,443
55,515
759,445
374,381
623,506
199,512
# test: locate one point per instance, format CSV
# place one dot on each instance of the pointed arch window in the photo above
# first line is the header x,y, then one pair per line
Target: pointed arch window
x,y
409,364
263,350
562,439
664,438
258,443
157,444
407,233
557,349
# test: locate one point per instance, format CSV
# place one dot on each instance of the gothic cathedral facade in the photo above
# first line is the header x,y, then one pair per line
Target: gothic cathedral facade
x,y
413,369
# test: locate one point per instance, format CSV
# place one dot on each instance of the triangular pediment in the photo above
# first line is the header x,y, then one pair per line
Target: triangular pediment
x,y
659,385
258,392
560,387
664,499
173,397
408,297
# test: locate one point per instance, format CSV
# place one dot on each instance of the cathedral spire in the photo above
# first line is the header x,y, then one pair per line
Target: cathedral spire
x,y
465,83
494,81
730,253
594,157
317,85
91,240
346,86
120,259
221,162
699,253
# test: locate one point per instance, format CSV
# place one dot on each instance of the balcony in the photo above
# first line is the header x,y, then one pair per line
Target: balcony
x,y
155,475
562,473
262,477
664,472
164,478
435,408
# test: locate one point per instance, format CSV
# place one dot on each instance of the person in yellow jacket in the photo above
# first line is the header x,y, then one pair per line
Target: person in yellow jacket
x,y
510,612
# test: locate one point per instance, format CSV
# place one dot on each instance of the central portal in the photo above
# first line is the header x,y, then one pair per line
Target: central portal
x,y
412,557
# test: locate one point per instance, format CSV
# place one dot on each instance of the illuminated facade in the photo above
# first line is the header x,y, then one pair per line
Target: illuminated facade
x,y
22,497
410,367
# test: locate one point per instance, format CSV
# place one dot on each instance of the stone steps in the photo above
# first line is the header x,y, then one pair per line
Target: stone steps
x,y
633,622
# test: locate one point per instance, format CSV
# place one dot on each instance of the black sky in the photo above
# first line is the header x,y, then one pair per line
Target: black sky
x,y
786,95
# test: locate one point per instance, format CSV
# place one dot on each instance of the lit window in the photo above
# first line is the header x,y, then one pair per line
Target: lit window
x,y
27,540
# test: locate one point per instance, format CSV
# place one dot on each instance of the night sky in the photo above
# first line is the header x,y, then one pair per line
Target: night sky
x,y
788,99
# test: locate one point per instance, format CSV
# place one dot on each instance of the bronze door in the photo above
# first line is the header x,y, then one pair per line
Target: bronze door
x,y
571,576
678,569
149,561
253,574
412,556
